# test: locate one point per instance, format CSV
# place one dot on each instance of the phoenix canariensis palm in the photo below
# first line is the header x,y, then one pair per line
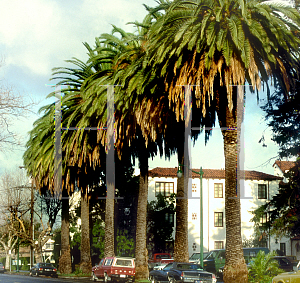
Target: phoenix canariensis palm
x,y
79,145
127,132
151,106
213,46
39,163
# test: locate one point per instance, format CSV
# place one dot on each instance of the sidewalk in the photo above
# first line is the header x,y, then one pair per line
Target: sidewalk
x,y
26,273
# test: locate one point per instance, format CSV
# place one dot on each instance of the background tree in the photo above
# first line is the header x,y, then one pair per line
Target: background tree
x,y
283,116
283,208
160,223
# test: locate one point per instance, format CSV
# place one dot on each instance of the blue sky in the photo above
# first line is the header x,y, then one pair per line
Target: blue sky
x,y
37,35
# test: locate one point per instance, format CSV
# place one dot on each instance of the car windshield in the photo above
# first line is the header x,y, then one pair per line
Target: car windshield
x,y
168,266
186,266
212,255
195,256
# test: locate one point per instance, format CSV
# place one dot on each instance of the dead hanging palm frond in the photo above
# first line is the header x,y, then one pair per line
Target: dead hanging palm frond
x,y
209,43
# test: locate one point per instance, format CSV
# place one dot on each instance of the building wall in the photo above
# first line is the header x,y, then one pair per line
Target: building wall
x,y
211,234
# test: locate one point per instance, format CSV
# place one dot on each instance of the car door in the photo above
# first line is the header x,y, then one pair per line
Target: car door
x,y
106,267
162,275
285,264
220,260
98,268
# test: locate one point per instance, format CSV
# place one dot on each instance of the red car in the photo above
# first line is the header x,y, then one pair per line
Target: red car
x,y
114,269
158,259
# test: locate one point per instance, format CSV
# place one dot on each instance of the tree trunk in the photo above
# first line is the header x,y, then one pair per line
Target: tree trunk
x,y
65,264
181,252
109,221
235,269
38,255
85,249
141,252
7,257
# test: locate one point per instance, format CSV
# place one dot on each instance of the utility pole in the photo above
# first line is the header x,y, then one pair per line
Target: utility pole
x,y
31,219
31,222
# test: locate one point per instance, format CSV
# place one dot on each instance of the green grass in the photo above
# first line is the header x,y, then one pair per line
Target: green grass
x,y
75,275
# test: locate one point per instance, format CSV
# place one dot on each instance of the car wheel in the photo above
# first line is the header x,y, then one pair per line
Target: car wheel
x,y
171,280
94,277
105,278
152,279
30,273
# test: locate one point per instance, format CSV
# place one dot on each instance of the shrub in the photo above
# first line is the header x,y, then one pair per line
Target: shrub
x,y
263,268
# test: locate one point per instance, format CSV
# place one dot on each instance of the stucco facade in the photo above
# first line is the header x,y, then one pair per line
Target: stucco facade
x,y
256,189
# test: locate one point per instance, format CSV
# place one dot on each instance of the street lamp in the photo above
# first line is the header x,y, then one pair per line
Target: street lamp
x,y
179,175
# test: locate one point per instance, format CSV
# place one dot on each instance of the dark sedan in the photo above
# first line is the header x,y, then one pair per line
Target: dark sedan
x,y
2,269
46,269
183,272
285,263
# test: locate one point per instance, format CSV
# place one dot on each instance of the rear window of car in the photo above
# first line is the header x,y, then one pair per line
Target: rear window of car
x,y
46,265
164,256
189,267
123,262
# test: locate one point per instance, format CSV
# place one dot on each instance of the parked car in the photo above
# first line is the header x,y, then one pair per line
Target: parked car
x,y
293,259
159,258
288,277
43,269
114,269
159,267
216,258
2,269
195,257
181,272
285,263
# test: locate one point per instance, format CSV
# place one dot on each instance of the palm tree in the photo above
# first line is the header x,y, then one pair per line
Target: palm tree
x,y
38,161
127,132
78,145
156,120
215,45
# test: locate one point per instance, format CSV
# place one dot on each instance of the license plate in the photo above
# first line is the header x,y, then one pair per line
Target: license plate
x,y
122,275
198,281
48,269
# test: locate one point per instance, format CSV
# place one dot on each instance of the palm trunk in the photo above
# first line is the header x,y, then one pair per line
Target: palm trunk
x,y
235,267
65,264
181,253
141,252
85,250
109,221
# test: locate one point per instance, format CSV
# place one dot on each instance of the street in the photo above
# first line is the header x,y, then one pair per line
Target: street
x,y
11,278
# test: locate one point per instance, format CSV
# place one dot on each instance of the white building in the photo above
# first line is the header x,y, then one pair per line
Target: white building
x,y
256,189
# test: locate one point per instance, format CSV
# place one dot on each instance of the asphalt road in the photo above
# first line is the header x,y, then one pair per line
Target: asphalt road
x,y
12,278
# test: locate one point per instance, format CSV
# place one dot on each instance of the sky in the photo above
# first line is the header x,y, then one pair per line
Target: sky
x,y
38,35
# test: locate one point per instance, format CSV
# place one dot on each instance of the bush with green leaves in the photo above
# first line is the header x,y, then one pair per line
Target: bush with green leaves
x,y
263,268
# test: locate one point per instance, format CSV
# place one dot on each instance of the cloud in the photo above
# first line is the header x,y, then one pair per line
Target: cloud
x,y
39,34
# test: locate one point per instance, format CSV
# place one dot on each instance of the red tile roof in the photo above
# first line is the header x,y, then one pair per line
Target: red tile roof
x,y
284,165
210,174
